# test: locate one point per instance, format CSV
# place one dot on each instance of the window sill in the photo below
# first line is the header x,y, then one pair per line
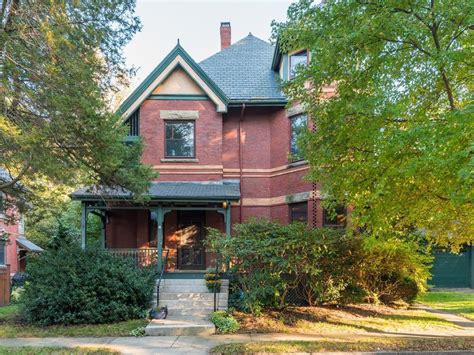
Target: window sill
x,y
294,164
180,160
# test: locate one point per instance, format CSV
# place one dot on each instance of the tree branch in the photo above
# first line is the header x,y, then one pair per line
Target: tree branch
x,y
23,171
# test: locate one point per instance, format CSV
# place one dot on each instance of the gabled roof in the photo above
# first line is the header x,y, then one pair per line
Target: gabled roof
x,y
177,57
169,191
25,244
244,72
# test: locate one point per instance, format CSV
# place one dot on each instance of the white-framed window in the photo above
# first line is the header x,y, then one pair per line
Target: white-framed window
x,y
297,59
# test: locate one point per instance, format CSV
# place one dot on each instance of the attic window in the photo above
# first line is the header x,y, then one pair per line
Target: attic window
x,y
133,123
297,59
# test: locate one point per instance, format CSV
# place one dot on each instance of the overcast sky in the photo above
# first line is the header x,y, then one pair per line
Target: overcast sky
x,y
196,23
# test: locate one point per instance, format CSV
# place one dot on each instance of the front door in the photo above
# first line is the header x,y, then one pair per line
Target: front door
x,y
191,232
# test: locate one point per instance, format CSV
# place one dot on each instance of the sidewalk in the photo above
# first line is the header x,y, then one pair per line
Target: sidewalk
x,y
190,344
202,344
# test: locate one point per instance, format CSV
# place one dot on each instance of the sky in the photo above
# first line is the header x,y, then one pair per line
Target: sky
x,y
196,24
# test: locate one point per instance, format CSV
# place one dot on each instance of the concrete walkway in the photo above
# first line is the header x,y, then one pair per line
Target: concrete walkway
x,y
193,345
465,323
202,344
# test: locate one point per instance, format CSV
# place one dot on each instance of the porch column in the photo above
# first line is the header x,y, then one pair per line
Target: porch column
x,y
227,231
159,236
83,225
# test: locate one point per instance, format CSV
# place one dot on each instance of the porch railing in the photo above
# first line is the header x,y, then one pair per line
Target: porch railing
x,y
141,257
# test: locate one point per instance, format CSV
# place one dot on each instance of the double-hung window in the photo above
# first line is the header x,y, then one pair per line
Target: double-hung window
x,y
299,212
180,137
335,218
298,125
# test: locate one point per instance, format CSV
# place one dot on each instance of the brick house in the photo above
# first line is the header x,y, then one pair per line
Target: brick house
x,y
224,142
14,246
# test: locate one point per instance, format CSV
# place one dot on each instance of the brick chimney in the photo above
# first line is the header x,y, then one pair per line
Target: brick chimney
x,y
225,35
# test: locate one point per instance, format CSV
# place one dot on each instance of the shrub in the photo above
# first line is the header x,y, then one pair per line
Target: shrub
x,y
138,332
213,281
270,261
224,322
68,285
392,269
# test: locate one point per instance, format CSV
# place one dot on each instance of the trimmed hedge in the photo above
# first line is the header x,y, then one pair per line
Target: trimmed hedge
x,y
71,286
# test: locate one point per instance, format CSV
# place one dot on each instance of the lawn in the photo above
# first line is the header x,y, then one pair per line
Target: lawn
x,y
11,326
349,344
29,350
454,302
354,319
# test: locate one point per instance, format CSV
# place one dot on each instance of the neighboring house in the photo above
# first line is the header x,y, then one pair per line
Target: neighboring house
x,y
223,140
14,246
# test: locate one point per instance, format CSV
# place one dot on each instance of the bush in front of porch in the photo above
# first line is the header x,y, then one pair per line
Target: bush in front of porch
x,y
274,265
68,285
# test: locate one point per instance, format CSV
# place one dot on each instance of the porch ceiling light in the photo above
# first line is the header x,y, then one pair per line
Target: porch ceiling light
x,y
224,204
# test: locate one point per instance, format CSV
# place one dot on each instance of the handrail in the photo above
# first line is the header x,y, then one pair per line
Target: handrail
x,y
215,282
163,266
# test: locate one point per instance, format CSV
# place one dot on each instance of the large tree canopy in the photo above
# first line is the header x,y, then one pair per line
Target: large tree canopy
x,y
396,140
60,64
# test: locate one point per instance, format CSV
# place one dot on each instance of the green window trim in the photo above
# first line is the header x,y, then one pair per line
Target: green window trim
x,y
180,138
299,212
336,218
298,124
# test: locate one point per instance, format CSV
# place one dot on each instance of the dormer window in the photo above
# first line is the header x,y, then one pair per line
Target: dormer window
x,y
297,59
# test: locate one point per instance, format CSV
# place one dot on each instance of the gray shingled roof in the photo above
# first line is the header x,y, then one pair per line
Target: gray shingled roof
x,y
169,190
27,245
244,71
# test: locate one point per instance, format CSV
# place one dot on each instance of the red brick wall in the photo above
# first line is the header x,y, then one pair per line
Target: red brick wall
x,y
12,228
267,178
208,140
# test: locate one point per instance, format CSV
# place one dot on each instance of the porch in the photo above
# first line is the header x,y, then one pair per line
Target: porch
x,y
169,231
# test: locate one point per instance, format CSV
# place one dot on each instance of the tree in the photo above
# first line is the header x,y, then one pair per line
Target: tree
x,y
396,140
48,226
60,64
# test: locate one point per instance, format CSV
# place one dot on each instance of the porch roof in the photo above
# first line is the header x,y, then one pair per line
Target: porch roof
x,y
168,191
25,244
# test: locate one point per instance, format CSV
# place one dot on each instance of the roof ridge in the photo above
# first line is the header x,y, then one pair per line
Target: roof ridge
x,y
235,43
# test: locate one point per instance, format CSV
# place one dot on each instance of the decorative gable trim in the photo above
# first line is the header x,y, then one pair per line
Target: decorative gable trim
x,y
177,57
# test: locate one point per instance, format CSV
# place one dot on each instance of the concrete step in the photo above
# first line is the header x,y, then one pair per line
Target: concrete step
x,y
200,312
188,289
191,304
180,326
192,296
189,282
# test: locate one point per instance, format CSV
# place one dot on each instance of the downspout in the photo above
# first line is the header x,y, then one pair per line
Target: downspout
x,y
240,160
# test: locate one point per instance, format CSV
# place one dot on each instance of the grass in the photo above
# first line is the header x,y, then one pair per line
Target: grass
x,y
27,350
11,326
354,319
349,344
454,302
